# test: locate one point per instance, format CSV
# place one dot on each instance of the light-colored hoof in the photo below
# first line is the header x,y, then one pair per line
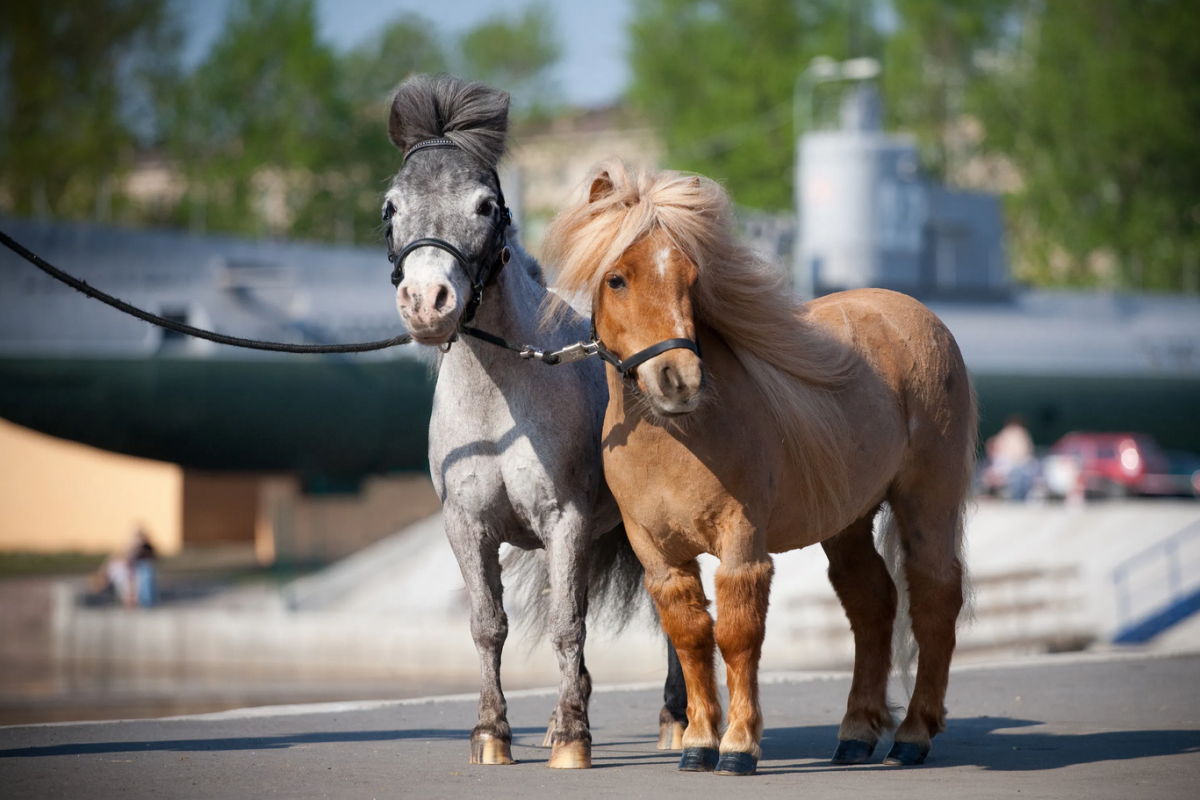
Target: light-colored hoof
x,y
549,740
670,736
491,751
570,755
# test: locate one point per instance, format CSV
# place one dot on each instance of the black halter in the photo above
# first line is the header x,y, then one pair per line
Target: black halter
x,y
491,261
628,365
487,270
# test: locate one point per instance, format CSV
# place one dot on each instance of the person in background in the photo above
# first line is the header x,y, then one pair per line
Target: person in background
x,y
1011,458
131,574
145,577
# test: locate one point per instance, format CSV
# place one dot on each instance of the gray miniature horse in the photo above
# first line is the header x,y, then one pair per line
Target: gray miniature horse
x,y
514,445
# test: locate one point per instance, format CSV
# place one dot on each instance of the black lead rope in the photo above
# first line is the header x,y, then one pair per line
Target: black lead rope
x,y
188,330
567,355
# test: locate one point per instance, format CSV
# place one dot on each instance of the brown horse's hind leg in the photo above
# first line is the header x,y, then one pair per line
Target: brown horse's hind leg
x,y
935,596
861,580
683,609
743,591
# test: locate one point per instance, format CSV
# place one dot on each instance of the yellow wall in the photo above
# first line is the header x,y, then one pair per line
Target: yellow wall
x,y
58,496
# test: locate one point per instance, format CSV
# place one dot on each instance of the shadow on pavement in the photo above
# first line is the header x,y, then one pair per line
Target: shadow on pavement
x,y
241,742
992,743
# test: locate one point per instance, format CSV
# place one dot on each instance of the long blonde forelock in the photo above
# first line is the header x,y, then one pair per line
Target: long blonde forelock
x,y
739,294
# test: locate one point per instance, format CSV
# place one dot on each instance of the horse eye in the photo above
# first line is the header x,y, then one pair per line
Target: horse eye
x,y
388,210
615,282
485,207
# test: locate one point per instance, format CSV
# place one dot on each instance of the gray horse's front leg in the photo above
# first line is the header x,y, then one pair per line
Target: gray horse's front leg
x,y
479,559
568,550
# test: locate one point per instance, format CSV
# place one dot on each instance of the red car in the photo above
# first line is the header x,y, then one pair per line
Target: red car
x,y
1120,464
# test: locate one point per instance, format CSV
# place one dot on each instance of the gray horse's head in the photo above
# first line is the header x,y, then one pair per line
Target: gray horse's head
x,y
443,193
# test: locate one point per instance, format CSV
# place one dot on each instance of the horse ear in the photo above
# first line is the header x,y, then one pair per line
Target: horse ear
x,y
602,186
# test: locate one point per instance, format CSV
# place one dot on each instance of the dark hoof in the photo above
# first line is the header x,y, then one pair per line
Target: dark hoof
x,y
906,754
698,759
853,751
737,764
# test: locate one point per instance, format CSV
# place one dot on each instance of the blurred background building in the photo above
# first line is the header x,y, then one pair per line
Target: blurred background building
x,y
996,159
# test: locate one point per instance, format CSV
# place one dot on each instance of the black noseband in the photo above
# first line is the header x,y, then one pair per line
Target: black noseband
x,y
628,365
440,244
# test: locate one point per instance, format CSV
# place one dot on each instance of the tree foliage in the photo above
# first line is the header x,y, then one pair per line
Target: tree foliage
x,y
1092,104
933,69
73,73
515,52
716,77
261,109
273,133
1101,115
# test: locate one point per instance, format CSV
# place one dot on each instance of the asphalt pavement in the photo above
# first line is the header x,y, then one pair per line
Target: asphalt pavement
x,y
1079,726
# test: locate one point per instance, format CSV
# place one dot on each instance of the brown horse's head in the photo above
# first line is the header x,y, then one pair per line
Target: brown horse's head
x,y
644,298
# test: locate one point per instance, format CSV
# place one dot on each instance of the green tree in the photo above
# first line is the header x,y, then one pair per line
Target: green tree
x,y
73,73
716,77
1101,115
933,68
515,53
407,45
370,73
259,126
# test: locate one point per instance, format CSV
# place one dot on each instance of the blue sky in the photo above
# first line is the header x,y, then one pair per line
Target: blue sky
x,y
592,71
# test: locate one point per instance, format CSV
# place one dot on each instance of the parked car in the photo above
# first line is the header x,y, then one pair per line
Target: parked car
x,y
1119,465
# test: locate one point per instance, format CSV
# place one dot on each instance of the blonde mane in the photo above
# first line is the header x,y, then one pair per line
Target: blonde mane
x,y
796,366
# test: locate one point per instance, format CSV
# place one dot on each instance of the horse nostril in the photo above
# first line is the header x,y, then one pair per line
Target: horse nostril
x,y
439,302
404,298
669,379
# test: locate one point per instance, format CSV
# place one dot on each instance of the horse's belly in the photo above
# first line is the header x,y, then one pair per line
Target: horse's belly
x,y
874,455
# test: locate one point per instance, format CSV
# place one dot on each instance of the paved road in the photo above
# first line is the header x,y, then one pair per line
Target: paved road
x,y
1061,727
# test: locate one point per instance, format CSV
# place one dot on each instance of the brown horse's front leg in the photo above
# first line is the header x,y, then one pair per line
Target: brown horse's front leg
x,y
683,608
743,590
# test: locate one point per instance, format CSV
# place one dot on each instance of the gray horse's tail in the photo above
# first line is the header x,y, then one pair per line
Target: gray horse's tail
x,y
616,593
904,645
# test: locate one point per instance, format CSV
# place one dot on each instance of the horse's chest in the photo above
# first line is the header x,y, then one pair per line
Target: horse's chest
x,y
681,500
482,469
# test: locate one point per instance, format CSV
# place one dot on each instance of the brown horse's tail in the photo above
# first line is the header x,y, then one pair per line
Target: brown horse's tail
x,y
616,588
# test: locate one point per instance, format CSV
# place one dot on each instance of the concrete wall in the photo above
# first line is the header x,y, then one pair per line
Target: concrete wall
x,y
399,608
58,496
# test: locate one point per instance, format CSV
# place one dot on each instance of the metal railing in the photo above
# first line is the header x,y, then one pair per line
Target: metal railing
x,y
1169,574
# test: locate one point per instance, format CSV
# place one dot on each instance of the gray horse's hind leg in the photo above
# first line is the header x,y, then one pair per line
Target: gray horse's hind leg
x,y
479,559
548,739
672,720
567,554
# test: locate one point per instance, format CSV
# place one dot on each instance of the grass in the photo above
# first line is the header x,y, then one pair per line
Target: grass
x,y
18,564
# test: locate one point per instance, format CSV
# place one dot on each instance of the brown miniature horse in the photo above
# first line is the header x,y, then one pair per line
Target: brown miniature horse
x,y
799,423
